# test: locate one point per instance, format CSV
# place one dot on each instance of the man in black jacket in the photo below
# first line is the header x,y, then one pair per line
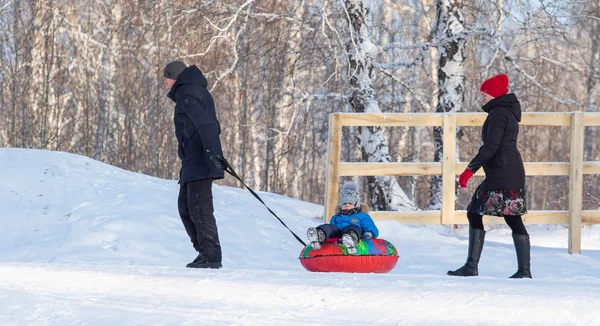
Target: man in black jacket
x,y
199,148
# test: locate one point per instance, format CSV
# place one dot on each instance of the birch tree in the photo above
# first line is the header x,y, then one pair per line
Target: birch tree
x,y
85,77
451,78
593,76
286,103
385,192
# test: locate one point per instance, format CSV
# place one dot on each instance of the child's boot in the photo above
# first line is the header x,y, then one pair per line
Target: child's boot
x,y
316,236
350,240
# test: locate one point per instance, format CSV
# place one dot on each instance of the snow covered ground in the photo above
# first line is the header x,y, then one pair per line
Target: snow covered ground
x,y
85,243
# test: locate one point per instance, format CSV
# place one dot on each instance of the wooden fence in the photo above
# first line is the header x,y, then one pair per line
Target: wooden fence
x,y
449,168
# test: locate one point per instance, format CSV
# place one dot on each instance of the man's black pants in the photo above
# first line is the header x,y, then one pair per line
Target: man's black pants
x,y
195,204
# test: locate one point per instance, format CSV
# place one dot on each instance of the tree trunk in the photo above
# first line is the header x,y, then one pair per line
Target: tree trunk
x,y
385,192
285,104
451,80
592,80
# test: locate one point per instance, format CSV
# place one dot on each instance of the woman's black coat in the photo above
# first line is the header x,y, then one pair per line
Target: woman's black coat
x,y
499,155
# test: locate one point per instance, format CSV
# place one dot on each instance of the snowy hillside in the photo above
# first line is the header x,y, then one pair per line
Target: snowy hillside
x,y
85,243
64,208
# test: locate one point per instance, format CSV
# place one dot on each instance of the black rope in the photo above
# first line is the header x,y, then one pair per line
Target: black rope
x,y
232,172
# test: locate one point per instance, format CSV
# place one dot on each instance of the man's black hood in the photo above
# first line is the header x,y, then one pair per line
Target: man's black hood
x,y
508,102
191,75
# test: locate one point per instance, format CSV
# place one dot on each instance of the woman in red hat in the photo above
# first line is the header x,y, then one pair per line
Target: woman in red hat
x,y
502,192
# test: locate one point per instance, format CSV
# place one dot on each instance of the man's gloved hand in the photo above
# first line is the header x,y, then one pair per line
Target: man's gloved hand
x,y
367,235
219,161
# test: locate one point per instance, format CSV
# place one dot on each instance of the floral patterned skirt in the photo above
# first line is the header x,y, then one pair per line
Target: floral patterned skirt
x,y
498,202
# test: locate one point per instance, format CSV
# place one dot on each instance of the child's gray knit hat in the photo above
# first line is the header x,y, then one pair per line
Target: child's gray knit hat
x,y
350,194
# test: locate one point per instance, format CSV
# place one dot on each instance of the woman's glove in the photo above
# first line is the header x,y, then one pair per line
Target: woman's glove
x,y
464,177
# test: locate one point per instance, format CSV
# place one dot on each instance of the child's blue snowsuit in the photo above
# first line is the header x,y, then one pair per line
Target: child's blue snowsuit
x,y
359,222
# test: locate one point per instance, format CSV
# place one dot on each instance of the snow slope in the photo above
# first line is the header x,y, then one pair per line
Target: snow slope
x,y
85,243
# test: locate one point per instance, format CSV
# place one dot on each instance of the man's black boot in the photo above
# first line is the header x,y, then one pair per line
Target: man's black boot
x,y
198,260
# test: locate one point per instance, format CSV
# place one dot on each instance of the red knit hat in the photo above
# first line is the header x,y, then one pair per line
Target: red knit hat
x,y
495,86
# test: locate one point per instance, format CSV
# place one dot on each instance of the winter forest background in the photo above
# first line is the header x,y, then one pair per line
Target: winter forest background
x,y
86,77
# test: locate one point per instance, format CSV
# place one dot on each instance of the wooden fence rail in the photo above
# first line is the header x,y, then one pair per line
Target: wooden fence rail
x,y
449,168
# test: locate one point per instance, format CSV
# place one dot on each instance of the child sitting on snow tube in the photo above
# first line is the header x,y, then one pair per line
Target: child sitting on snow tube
x,y
351,223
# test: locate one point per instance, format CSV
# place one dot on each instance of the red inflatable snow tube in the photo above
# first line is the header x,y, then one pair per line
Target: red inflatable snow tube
x,y
373,256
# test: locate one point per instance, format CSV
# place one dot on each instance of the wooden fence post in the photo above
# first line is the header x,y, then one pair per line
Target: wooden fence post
x,y
333,160
576,182
449,169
